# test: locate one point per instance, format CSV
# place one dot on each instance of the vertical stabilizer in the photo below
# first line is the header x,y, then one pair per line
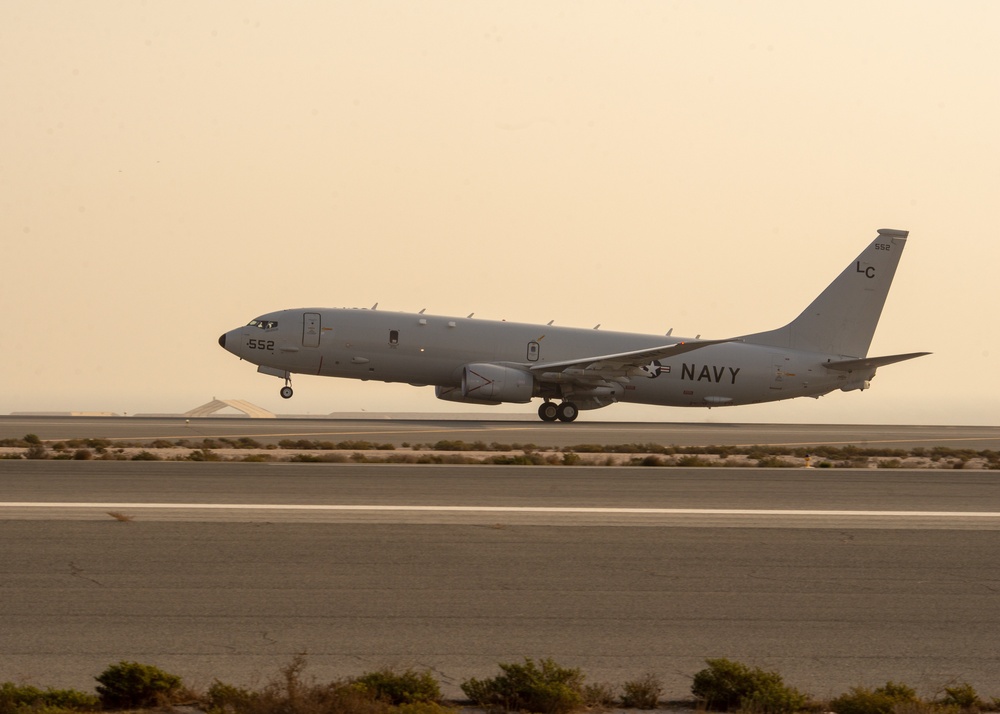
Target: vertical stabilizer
x,y
843,318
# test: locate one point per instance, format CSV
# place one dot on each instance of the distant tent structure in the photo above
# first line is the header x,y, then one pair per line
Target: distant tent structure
x,y
240,405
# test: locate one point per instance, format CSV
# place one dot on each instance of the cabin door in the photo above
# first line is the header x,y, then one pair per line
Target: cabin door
x,y
310,329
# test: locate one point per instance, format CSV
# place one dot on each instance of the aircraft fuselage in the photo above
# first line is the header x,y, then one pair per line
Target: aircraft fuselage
x,y
423,349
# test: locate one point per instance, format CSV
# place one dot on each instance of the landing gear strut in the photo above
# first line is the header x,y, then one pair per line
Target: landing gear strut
x,y
566,411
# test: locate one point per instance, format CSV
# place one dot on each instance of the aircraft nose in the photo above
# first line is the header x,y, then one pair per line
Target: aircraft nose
x,y
222,341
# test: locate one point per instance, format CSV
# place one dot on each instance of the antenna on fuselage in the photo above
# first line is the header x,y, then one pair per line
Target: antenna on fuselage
x,y
670,332
550,322
597,326
470,315
374,307
422,311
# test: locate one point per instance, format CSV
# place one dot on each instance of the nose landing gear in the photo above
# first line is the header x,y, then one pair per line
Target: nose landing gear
x,y
286,391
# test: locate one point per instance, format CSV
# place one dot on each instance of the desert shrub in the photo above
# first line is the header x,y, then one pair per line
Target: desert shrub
x,y
130,685
651,460
881,700
727,685
962,696
642,693
587,448
599,695
205,454
15,699
146,456
292,693
422,708
224,698
357,445
691,460
449,445
773,462
400,687
83,455
525,459
36,451
570,458
773,697
543,687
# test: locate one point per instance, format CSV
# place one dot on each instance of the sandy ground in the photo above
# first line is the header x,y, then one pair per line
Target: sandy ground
x,y
552,457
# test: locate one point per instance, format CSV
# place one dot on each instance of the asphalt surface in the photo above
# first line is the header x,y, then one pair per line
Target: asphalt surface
x,y
833,578
399,431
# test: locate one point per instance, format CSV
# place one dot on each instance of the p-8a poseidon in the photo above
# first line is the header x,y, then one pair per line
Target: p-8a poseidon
x,y
488,362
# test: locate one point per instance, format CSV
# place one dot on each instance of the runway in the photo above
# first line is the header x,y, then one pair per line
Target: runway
x,y
834,578
392,429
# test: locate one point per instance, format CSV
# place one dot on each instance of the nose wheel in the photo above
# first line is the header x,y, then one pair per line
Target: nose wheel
x,y
286,391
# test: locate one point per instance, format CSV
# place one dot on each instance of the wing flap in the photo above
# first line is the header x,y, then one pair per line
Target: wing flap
x,y
621,364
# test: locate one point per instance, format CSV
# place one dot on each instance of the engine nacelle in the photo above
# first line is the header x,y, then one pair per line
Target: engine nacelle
x,y
494,382
454,394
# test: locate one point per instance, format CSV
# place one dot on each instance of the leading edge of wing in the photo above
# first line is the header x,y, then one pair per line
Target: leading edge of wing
x,y
635,358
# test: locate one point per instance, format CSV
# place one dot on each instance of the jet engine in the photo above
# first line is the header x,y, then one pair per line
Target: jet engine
x,y
454,394
489,382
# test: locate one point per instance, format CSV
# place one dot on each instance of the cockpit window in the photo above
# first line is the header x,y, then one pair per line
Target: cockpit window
x,y
263,324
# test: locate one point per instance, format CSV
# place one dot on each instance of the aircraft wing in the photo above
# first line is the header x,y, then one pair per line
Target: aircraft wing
x,y
615,366
849,365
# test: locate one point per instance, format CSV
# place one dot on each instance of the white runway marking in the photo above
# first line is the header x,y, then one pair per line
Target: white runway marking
x,y
498,509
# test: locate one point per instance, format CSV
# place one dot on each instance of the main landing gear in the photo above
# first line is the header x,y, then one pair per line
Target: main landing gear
x,y
565,411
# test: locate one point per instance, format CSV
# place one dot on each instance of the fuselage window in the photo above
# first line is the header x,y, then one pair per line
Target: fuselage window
x,y
393,337
263,324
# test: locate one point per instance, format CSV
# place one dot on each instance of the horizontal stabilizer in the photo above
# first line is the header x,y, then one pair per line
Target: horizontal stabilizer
x,y
849,365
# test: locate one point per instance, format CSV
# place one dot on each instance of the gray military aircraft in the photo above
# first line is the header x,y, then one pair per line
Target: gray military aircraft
x,y
487,362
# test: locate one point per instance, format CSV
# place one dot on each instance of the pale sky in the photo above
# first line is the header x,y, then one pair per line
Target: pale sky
x,y
171,170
